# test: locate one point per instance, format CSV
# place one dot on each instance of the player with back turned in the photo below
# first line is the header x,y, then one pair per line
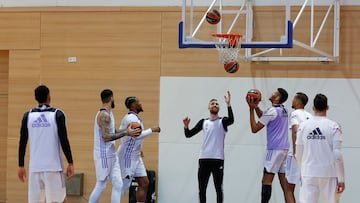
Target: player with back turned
x,y
318,152
45,128
211,159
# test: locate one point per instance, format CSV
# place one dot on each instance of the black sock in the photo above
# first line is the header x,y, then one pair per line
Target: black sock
x,y
265,193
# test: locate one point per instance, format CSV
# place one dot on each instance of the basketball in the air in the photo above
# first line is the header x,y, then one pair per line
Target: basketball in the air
x,y
135,125
231,67
255,94
213,17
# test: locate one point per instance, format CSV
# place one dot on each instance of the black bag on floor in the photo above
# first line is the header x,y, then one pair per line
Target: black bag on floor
x,y
151,195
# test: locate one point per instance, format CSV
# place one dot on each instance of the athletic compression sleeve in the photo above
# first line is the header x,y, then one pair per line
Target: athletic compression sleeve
x,y
24,135
198,127
62,132
339,161
145,133
228,120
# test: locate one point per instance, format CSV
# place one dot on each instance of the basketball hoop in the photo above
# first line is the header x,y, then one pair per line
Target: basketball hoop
x,y
228,46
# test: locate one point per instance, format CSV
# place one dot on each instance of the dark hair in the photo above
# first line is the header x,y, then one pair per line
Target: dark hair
x,y
320,102
41,93
129,101
106,95
283,95
302,97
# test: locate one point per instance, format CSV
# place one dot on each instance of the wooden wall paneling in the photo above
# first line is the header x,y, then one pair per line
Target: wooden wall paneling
x,y
4,73
116,50
19,30
113,52
24,76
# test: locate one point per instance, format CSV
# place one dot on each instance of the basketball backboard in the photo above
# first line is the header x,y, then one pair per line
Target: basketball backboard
x,y
195,32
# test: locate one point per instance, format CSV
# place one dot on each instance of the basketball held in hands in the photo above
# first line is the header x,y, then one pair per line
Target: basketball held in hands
x,y
255,94
135,126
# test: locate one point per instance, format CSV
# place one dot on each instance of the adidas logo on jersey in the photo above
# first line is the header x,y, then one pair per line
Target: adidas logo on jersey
x,y
316,134
40,122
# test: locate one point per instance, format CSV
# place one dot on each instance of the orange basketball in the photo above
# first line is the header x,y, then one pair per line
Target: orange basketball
x,y
255,94
213,17
231,67
135,125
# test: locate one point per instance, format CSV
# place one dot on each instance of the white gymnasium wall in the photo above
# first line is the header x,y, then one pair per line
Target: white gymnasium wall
x,y
189,96
40,3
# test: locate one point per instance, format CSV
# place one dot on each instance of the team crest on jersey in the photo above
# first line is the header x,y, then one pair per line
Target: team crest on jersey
x,y
41,122
316,134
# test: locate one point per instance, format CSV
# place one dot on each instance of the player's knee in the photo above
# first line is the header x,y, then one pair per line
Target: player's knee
x,y
117,185
100,185
143,182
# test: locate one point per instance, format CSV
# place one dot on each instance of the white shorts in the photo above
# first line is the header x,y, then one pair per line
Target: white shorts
x,y
275,160
312,188
292,172
132,167
47,187
107,168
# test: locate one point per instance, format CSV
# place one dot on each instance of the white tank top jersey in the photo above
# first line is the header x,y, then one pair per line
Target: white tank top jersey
x,y
131,147
317,136
213,139
296,117
44,139
103,149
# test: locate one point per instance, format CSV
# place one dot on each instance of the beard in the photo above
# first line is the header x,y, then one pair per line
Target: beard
x,y
214,110
112,104
140,109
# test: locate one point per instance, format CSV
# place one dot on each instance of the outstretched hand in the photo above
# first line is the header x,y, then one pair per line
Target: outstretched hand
x,y
227,98
186,122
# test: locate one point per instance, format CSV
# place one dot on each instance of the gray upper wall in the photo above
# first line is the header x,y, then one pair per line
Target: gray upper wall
x,y
47,3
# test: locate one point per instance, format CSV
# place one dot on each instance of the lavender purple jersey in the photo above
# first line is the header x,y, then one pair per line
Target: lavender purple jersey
x,y
276,120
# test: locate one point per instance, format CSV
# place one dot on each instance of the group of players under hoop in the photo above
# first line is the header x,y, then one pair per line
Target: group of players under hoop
x,y
314,155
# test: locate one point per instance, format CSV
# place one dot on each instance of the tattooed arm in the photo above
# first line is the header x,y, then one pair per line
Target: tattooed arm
x,y
104,123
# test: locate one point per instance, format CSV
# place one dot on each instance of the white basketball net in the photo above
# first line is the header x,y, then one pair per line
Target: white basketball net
x,y
228,48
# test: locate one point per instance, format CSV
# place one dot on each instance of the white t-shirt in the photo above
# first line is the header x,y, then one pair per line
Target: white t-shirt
x,y
296,117
317,136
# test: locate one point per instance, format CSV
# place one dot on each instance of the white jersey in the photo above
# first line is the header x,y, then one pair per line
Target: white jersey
x,y
296,117
213,139
131,147
103,149
43,136
317,136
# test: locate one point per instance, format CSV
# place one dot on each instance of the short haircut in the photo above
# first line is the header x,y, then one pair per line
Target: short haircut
x,y
211,100
129,100
283,95
320,102
302,97
41,93
106,95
